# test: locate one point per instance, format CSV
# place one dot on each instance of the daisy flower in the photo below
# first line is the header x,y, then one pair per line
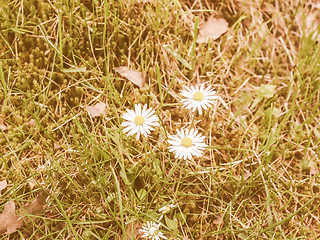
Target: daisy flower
x,y
151,231
198,98
186,144
167,208
140,121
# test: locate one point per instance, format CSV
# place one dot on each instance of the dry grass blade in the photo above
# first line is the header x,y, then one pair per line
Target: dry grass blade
x,y
212,30
134,76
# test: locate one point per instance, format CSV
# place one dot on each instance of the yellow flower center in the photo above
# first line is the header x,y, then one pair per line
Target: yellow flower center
x,y
153,231
198,96
186,142
139,120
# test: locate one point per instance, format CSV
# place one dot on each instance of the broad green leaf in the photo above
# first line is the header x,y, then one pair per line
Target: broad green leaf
x,y
316,132
171,223
272,112
142,193
266,90
181,217
73,70
157,167
242,236
124,177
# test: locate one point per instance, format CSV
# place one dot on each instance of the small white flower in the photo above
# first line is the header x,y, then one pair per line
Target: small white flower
x,y
151,231
198,98
187,144
139,121
167,208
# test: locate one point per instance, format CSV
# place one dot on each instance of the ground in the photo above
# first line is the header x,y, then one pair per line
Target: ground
x,y
79,176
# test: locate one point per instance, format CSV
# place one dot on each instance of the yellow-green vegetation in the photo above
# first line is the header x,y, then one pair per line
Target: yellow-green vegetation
x,y
259,176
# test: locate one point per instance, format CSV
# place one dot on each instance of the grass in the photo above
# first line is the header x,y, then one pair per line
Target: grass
x,y
258,178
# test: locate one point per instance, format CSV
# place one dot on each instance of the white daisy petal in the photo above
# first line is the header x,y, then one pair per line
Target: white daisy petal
x,y
198,98
144,108
129,115
153,120
184,151
208,89
175,141
134,130
127,129
138,135
149,120
125,124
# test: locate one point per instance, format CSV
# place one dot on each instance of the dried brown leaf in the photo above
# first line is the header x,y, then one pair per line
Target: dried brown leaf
x,y
32,183
31,123
96,110
212,30
56,146
10,221
143,1
36,205
3,126
132,75
312,24
313,167
218,220
3,185
309,21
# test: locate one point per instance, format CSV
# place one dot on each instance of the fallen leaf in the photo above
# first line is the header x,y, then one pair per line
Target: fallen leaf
x,y
185,238
313,167
36,205
31,123
308,22
10,221
312,25
212,29
132,75
143,1
3,185
3,127
56,146
32,183
96,110
218,220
